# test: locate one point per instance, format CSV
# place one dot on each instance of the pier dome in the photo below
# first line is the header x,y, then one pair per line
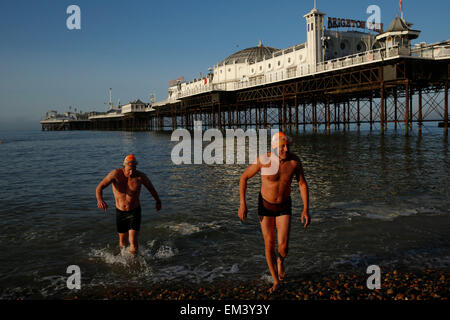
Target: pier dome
x,y
252,54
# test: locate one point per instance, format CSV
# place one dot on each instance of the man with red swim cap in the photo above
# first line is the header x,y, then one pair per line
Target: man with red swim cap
x,y
127,183
277,168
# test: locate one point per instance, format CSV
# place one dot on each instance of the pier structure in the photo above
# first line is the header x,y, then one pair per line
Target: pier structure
x,y
336,80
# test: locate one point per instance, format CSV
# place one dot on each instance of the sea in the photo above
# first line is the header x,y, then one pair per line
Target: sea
x,y
375,199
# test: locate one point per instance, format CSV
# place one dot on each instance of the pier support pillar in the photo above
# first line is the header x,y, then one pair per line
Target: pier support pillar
x,y
446,108
395,108
314,115
304,117
358,119
382,108
328,116
420,111
296,114
407,107
284,113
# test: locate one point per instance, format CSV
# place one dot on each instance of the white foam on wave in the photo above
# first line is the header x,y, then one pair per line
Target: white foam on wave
x,y
382,212
353,260
122,258
184,228
197,274
150,251
165,252
134,265
387,213
267,278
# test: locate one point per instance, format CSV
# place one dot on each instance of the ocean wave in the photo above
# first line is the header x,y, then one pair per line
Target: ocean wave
x,y
186,229
196,274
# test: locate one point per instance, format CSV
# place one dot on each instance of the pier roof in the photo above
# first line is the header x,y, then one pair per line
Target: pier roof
x,y
399,26
257,53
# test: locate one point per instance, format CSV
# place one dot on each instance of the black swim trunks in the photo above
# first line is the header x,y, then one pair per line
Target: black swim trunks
x,y
268,209
127,220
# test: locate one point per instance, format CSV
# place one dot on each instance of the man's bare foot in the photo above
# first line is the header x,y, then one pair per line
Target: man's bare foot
x,y
274,288
133,251
280,267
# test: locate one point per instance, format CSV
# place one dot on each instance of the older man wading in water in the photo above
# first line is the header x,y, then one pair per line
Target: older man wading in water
x,y
127,183
274,202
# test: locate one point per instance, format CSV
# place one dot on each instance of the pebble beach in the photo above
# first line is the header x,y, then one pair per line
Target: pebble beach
x,y
430,284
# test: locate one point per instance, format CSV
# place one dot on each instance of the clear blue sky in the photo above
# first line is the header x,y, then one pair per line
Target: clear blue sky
x,y
137,46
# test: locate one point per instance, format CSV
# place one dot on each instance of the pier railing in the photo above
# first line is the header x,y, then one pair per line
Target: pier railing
x,y
439,51
302,70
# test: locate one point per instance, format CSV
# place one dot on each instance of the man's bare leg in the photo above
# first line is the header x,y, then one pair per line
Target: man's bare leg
x,y
283,224
133,234
123,240
268,231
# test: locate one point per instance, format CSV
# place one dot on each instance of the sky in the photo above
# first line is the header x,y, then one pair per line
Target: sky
x,y
136,47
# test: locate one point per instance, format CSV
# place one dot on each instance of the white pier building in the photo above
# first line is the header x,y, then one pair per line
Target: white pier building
x,y
325,49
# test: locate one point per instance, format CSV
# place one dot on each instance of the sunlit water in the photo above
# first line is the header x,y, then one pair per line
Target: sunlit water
x,y
374,200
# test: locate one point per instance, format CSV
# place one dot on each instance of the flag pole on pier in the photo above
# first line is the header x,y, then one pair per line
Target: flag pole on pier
x,y
400,7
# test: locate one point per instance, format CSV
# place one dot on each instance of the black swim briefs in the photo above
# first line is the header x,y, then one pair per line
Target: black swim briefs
x,y
127,220
274,210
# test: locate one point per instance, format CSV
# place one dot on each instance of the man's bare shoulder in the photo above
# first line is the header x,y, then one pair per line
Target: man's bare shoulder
x,y
141,174
115,172
294,158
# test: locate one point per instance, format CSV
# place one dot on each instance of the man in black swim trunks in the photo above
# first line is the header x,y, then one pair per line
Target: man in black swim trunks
x,y
127,183
275,206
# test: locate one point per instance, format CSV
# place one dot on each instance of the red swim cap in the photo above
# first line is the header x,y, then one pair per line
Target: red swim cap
x,y
130,159
277,137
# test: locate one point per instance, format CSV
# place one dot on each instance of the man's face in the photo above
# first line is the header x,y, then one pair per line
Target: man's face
x,y
283,148
129,169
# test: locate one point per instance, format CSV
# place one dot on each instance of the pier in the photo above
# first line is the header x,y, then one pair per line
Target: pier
x,y
405,91
402,90
337,80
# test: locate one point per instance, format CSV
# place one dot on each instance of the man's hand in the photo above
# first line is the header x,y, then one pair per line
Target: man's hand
x,y
102,205
158,205
305,218
242,212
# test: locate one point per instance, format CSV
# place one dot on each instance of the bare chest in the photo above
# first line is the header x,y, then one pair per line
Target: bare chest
x,y
284,173
127,185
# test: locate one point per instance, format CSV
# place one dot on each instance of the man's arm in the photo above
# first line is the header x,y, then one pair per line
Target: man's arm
x,y
250,172
148,184
102,185
304,193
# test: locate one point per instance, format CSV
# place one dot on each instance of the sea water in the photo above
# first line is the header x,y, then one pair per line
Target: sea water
x,y
374,199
